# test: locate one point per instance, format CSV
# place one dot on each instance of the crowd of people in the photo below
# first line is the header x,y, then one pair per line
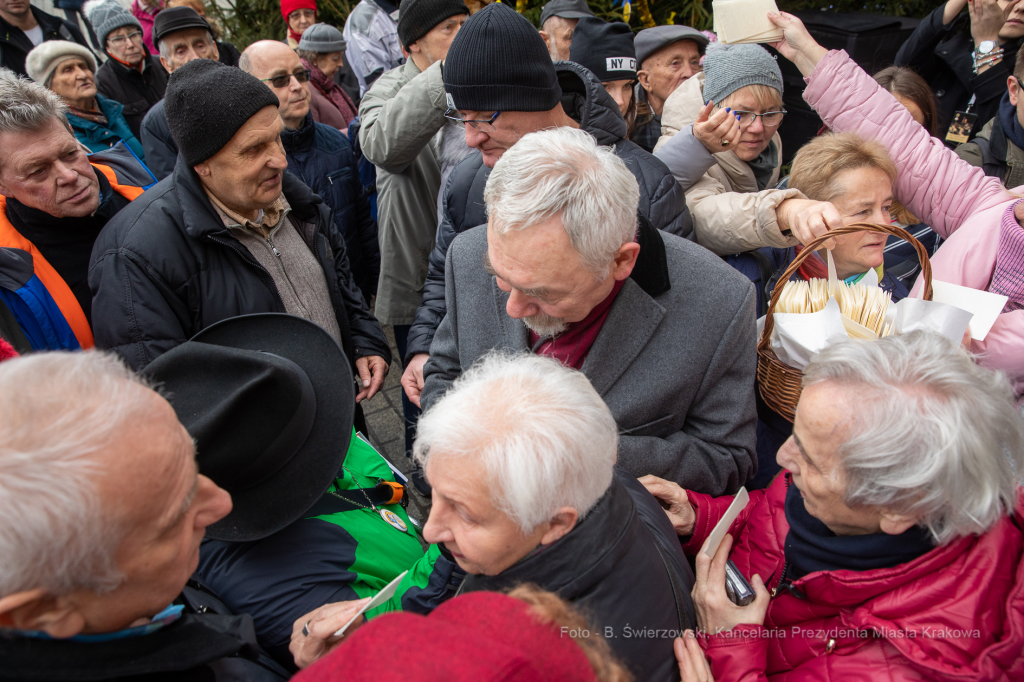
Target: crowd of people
x,y
568,231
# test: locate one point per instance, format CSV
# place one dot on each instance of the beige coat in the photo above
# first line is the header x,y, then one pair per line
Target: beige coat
x,y
729,214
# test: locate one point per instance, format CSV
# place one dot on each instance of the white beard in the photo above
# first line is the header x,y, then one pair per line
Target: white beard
x,y
545,325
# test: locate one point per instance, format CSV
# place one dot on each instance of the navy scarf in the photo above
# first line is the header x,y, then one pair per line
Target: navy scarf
x,y
1008,120
811,546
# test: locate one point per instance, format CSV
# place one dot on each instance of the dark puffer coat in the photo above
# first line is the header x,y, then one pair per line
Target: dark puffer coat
x,y
586,101
322,157
136,91
165,268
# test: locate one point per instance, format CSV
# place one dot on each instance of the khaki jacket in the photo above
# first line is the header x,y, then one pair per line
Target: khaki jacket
x,y
729,214
401,115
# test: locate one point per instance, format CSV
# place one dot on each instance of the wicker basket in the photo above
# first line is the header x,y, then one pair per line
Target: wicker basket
x,y
779,383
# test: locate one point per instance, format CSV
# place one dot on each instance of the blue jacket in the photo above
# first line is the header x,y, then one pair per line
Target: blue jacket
x,y
97,138
161,149
322,157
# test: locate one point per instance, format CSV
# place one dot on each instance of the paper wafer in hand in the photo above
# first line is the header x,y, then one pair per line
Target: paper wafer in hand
x,y
745,21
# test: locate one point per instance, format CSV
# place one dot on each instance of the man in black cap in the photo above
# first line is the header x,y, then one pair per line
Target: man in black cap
x,y
181,35
557,21
266,399
228,233
667,56
520,92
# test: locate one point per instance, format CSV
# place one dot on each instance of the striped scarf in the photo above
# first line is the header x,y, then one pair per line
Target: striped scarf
x,y
1008,277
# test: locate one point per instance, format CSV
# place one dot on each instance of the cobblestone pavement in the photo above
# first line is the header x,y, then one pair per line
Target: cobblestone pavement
x,y
385,424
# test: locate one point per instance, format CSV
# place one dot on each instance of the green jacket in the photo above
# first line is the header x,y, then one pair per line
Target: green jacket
x,y
324,558
401,115
992,151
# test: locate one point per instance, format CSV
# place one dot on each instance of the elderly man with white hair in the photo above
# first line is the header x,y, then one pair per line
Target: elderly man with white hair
x,y
521,456
663,329
890,547
104,511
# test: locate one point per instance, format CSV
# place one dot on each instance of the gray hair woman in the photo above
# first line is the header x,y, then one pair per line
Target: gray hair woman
x,y
892,543
320,50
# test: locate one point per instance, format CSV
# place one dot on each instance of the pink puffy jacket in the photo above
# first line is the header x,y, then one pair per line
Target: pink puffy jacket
x,y
953,614
958,200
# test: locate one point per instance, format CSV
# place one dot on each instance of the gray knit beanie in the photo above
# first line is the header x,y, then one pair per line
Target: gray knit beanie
x,y
322,39
207,102
106,16
727,68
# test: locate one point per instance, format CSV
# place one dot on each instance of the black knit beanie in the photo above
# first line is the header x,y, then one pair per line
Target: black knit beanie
x,y
417,18
606,49
207,102
499,62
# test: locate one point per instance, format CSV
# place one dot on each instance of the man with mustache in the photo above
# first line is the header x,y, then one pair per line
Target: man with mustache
x,y
229,233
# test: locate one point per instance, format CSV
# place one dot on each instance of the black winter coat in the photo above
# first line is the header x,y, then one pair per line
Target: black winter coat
x,y
165,268
622,565
207,643
15,45
941,54
136,91
160,148
586,101
322,157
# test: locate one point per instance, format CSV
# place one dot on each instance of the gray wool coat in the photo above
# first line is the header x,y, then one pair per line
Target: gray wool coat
x,y
677,370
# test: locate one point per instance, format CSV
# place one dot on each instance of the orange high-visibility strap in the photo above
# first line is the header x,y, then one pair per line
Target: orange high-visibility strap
x,y
54,283
127,191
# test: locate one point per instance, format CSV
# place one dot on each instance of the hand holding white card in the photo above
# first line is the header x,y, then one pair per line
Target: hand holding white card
x,y
382,596
745,21
718,534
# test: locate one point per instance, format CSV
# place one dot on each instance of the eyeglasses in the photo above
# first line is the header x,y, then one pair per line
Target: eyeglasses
x,y
285,79
453,115
134,36
770,119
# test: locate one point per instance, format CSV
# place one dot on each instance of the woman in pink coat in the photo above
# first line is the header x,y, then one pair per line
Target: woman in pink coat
x,y
985,241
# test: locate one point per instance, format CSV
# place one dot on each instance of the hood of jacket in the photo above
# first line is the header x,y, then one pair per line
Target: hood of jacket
x,y
682,108
587,102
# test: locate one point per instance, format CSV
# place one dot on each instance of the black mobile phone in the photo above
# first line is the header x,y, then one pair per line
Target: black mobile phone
x,y
736,586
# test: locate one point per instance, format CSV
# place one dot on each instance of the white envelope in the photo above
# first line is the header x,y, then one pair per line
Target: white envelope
x,y
985,306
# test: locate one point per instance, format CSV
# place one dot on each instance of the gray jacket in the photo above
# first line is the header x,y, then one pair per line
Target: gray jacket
x,y
401,115
676,368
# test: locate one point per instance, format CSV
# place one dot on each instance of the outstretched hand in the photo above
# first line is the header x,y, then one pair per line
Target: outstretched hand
x,y
719,131
797,45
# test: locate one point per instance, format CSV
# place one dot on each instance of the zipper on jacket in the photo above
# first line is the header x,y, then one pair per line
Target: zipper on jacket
x,y
782,584
273,248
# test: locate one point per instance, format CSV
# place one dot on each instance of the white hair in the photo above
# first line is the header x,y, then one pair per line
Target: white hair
x,y
57,412
933,434
25,105
563,172
544,435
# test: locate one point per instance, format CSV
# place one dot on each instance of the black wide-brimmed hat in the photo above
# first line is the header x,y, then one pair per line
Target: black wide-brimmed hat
x,y
269,400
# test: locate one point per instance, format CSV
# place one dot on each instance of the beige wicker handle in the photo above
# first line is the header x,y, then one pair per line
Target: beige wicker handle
x,y
922,255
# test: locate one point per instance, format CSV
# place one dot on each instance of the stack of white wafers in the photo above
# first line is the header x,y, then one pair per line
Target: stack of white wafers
x,y
863,305
745,21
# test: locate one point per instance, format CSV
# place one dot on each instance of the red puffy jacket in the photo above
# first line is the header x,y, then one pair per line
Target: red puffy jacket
x,y
955,613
